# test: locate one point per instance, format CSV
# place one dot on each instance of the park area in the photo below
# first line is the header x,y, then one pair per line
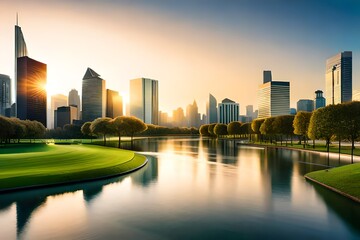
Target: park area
x,y
34,165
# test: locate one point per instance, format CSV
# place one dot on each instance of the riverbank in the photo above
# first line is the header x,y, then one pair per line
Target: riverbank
x,y
344,180
42,165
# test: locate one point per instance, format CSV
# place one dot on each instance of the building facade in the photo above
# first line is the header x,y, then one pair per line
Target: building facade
x,y
74,100
228,111
211,110
339,78
5,94
305,105
273,98
192,115
319,100
65,115
31,97
179,117
57,100
114,104
144,100
93,96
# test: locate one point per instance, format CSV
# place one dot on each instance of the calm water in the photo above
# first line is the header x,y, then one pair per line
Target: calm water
x,y
191,189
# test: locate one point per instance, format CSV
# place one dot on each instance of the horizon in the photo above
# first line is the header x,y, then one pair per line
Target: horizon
x,y
188,47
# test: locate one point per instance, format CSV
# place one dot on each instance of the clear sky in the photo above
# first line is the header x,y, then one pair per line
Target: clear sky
x,y
193,47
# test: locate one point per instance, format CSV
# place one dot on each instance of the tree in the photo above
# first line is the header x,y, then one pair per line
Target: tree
x,y
301,124
283,125
119,125
6,129
247,130
19,129
211,129
220,129
85,129
204,130
234,128
101,126
255,126
133,125
267,128
351,123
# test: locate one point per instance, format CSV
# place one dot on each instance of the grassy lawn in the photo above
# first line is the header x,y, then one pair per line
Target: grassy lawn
x,y
345,178
39,164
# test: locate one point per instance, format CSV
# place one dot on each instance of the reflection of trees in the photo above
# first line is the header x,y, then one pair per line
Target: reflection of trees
x,y
228,151
147,174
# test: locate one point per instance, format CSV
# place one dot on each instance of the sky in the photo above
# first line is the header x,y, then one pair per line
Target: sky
x,y
192,47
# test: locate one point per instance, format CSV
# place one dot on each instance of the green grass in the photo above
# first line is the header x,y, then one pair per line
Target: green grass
x,y
51,164
345,178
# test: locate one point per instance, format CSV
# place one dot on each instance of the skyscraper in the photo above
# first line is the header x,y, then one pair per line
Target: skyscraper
x,y
144,100
65,115
31,96
319,100
273,98
74,100
5,99
20,51
114,104
306,105
211,110
179,117
228,111
93,96
57,100
192,115
339,78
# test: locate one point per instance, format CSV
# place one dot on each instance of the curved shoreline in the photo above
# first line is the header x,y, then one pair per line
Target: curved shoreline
x,y
7,190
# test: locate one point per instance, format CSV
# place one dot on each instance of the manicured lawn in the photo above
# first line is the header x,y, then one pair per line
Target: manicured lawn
x,y
345,178
49,164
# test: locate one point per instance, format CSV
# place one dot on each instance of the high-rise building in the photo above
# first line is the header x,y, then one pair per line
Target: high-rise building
x,y
179,117
144,100
273,98
31,96
114,105
20,51
5,91
211,110
57,100
192,115
339,78
229,111
74,100
305,105
319,99
93,96
267,76
65,115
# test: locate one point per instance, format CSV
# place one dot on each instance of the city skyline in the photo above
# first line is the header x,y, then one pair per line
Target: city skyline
x,y
191,47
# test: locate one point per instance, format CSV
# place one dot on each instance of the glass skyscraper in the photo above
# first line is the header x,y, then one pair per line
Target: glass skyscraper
x,y
93,96
144,100
211,110
339,78
5,99
114,104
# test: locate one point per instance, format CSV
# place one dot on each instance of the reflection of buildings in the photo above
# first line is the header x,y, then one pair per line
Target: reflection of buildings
x,y
31,96
5,98
147,174
228,111
144,100
57,100
93,96
339,78
273,97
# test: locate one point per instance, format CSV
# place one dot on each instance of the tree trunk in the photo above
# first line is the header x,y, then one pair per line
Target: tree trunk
x,y
339,146
119,140
352,149
304,142
104,139
327,145
314,144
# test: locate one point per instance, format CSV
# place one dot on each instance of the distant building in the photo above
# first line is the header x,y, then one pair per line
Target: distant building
x,y
228,111
319,100
31,96
163,119
179,117
114,104
5,93
244,119
292,111
211,110
192,115
273,97
144,100
65,115
93,96
74,100
306,105
339,78
57,100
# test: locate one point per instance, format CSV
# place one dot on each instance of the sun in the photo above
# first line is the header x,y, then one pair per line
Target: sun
x,y
50,88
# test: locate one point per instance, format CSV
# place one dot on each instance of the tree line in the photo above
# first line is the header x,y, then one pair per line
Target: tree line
x,y
331,123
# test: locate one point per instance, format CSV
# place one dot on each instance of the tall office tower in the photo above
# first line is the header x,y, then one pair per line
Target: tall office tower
x,y
144,100
93,96
114,104
319,99
273,98
5,98
20,51
192,115
339,78
305,105
57,100
179,117
74,100
228,111
267,76
211,110
65,115
31,97
164,119
250,112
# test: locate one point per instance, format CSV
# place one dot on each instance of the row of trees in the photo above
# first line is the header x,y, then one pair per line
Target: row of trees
x,y
16,129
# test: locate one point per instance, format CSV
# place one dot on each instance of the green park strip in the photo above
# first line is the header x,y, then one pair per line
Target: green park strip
x,y
60,164
344,180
